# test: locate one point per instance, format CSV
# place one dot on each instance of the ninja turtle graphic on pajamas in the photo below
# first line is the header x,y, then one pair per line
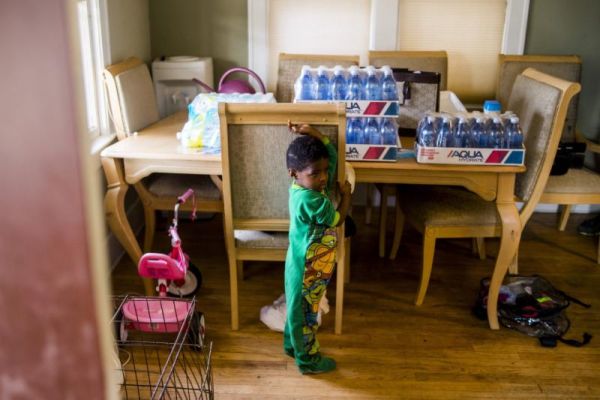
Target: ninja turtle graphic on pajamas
x,y
309,265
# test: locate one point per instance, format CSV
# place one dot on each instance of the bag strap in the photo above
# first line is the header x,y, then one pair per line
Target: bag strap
x,y
574,300
550,341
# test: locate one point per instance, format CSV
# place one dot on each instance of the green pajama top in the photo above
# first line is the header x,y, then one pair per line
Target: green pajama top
x,y
310,261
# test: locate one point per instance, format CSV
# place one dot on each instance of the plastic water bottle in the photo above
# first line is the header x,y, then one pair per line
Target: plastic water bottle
x,y
361,131
322,86
514,134
372,131
461,133
372,85
306,84
427,134
497,137
388,85
444,137
388,131
477,131
355,85
353,130
339,86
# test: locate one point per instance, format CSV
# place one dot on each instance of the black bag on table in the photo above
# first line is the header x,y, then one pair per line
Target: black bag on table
x,y
531,305
418,93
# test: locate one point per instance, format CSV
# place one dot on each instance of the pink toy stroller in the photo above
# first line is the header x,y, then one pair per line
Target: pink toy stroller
x,y
163,314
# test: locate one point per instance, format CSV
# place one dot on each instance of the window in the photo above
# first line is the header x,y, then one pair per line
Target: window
x,y
90,22
471,31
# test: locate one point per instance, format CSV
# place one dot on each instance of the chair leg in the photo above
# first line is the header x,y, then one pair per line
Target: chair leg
x,y
513,267
598,260
564,216
428,251
385,191
150,219
398,230
480,243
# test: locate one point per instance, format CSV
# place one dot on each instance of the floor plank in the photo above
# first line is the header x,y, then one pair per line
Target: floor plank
x,y
390,348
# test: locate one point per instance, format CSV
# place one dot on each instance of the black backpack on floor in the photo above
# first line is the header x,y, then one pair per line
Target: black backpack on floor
x,y
531,305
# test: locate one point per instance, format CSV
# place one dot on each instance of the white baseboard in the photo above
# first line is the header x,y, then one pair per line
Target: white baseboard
x,y
135,215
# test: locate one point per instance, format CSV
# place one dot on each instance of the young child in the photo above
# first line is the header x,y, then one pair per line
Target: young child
x,y
311,161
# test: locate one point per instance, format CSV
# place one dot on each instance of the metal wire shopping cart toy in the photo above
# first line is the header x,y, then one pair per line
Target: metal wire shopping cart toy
x,y
161,352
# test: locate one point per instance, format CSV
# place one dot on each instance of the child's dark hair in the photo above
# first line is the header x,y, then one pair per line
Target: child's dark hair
x,y
303,151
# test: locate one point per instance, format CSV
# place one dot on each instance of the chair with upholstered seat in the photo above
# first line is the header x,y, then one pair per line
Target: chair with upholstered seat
x,y
564,67
133,106
577,186
541,102
290,65
432,61
254,140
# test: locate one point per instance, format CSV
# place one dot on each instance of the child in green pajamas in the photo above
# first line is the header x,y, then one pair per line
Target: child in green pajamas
x,y
311,162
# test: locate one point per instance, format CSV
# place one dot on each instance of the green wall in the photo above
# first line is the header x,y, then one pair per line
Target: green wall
x,y
571,27
208,28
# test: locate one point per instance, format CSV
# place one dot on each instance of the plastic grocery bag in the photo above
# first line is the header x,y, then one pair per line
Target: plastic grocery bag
x,y
202,127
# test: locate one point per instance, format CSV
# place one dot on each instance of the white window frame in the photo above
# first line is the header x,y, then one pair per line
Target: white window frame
x,y
92,30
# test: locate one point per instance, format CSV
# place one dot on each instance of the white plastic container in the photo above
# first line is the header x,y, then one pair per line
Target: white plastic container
x,y
173,81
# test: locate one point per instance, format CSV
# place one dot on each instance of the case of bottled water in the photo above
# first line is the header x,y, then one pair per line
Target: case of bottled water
x,y
371,101
470,138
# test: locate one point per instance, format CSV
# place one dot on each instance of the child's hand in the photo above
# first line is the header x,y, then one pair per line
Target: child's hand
x,y
305,129
345,189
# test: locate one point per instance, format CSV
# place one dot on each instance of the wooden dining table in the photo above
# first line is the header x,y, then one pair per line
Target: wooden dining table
x,y
156,149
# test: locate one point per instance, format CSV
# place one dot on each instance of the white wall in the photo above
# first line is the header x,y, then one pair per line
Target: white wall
x,y
129,29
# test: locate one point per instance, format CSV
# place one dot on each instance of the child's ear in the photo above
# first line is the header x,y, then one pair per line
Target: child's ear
x,y
292,173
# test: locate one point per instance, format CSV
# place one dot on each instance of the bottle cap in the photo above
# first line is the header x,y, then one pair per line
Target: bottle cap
x,y
305,68
514,119
337,70
491,106
321,70
354,70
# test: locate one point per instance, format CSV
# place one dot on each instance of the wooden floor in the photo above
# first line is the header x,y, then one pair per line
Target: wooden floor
x,y
390,348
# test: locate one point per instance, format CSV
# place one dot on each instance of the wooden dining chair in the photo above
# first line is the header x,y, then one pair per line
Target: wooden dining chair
x,y
565,67
254,141
541,102
290,65
577,186
133,106
433,61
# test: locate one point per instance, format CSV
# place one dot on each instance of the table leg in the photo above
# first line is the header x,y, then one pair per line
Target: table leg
x,y
509,244
114,206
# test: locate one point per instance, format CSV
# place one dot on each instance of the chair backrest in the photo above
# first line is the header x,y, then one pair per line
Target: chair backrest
x,y
131,97
290,66
254,141
564,67
433,61
541,101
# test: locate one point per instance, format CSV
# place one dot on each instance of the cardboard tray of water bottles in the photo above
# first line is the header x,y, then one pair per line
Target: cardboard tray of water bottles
x,y
371,125
470,139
